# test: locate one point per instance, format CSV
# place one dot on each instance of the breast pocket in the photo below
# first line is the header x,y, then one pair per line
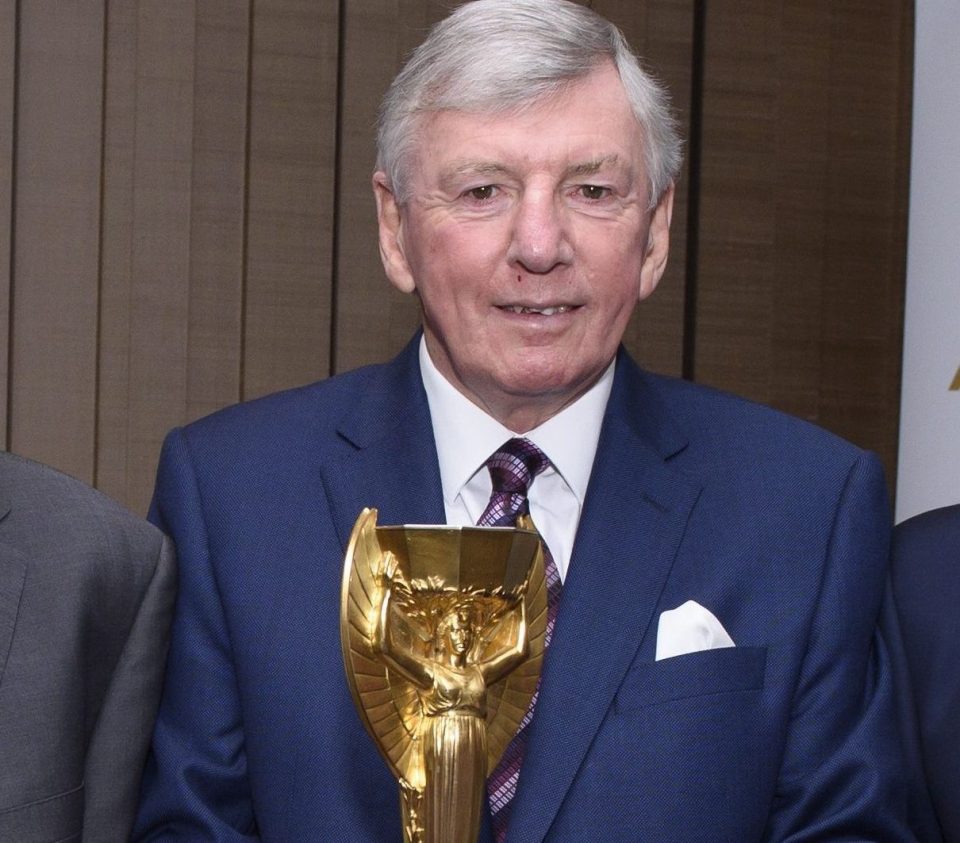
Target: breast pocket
x,y
56,819
683,734
722,671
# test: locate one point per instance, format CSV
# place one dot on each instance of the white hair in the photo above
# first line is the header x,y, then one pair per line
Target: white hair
x,y
493,56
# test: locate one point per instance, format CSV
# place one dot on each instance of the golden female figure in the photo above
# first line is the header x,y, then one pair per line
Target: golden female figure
x,y
442,631
452,683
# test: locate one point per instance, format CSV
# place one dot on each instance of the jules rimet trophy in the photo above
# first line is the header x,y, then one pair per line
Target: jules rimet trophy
x,y
443,632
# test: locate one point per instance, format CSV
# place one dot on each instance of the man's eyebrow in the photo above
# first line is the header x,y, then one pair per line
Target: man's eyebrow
x,y
472,168
591,168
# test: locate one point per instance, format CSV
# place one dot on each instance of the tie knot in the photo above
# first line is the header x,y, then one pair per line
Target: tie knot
x,y
514,465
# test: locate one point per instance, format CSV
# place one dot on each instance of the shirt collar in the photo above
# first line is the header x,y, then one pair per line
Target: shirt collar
x,y
466,436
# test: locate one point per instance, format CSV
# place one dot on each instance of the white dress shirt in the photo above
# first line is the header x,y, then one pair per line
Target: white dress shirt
x,y
466,437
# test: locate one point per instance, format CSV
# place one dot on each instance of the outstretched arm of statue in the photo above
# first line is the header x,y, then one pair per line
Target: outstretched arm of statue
x,y
495,668
401,658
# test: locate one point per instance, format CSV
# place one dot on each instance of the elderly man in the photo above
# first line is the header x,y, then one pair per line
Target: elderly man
x,y
710,673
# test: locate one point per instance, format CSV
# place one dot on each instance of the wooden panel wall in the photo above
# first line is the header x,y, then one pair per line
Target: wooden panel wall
x,y
802,226
186,217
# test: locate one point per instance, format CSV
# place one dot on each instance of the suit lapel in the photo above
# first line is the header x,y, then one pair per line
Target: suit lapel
x,y
387,458
634,518
13,572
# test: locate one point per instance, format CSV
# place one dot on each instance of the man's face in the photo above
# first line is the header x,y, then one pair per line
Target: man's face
x,y
528,239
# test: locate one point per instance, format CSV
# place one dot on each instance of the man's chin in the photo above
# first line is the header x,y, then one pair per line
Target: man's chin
x,y
547,391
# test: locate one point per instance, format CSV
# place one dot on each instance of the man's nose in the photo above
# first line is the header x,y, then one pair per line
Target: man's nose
x,y
540,238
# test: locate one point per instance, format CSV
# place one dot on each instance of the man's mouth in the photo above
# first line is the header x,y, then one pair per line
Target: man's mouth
x,y
541,311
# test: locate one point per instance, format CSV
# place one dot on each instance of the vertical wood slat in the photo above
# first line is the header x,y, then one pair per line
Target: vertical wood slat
x,y
56,251
8,28
218,206
801,143
737,200
290,194
373,319
116,267
661,32
146,265
763,179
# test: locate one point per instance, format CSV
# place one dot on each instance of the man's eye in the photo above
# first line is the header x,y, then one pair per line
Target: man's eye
x,y
594,191
482,193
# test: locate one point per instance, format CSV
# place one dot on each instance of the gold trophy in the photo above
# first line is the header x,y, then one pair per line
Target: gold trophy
x,y
442,631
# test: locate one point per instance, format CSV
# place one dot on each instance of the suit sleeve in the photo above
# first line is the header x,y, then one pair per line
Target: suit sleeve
x,y
841,777
119,742
195,784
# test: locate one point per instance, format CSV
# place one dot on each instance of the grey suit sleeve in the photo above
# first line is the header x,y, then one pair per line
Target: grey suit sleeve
x,y
119,742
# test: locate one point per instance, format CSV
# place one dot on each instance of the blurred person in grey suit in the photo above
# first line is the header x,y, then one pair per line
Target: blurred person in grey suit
x,y
86,594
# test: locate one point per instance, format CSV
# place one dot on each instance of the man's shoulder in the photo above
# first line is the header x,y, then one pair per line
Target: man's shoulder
x,y
939,525
927,547
44,509
713,419
26,483
314,409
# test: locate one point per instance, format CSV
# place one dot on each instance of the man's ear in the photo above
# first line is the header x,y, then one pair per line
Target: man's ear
x,y
658,244
390,222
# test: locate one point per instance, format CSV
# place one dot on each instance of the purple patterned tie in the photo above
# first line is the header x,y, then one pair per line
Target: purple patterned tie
x,y
512,469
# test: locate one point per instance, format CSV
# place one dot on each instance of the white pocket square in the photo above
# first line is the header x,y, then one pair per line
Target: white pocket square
x,y
689,629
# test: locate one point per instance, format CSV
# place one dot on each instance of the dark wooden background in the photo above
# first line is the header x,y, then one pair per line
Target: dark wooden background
x,y
186,219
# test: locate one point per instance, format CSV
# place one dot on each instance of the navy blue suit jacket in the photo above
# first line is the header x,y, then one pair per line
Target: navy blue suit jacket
x,y
778,528
922,623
